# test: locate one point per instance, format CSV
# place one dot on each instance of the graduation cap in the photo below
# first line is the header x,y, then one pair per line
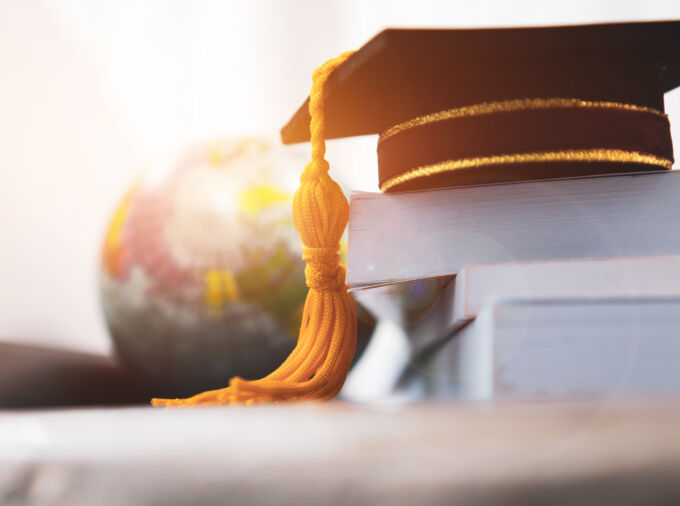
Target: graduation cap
x,y
460,107
456,107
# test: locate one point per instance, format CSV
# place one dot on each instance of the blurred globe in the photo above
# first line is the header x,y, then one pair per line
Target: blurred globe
x,y
201,273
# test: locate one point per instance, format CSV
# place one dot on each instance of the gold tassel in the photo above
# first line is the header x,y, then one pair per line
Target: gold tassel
x,y
317,367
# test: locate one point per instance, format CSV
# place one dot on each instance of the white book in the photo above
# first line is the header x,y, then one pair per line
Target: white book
x,y
397,237
561,348
586,278
443,305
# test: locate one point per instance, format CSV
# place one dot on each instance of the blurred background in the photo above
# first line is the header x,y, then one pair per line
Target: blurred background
x,y
93,91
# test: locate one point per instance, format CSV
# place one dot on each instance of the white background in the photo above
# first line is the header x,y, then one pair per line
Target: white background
x,y
92,91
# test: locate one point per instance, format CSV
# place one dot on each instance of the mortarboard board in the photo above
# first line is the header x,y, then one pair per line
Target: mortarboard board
x,y
487,105
460,107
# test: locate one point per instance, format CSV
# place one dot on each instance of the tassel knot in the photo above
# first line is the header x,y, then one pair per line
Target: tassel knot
x,y
314,171
323,271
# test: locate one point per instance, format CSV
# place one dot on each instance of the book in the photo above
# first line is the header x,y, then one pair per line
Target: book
x,y
560,348
408,236
586,278
431,309
416,317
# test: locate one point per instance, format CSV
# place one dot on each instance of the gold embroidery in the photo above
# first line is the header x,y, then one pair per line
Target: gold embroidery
x,y
513,105
586,155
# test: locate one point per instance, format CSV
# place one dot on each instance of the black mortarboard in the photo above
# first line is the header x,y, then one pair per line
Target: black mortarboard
x,y
468,106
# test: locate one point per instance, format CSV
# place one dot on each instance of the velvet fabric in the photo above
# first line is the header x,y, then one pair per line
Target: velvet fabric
x,y
523,131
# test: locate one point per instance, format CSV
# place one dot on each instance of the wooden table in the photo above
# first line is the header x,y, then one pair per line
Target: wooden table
x,y
614,452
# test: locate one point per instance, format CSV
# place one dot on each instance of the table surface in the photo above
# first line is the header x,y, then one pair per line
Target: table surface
x,y
600,452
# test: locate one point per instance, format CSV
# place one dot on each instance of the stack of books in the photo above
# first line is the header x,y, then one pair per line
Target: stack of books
x,y
536,290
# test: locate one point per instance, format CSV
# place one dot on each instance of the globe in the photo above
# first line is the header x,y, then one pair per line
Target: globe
x,y
201,274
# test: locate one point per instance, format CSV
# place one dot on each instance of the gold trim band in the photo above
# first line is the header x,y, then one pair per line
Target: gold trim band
x,y
513,105
585,155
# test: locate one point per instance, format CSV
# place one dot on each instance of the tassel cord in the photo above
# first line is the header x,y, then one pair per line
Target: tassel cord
x,y
317,367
